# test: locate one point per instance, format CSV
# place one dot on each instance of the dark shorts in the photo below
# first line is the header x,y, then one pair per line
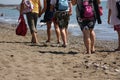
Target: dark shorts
x,y
48,16
62,18
86,24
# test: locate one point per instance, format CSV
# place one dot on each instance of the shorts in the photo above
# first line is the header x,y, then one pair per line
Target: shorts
x,y
86,24
62,18
117,27
48,16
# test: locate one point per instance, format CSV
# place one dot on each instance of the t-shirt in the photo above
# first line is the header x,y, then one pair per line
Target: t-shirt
x,y
53,2
111,4
36,6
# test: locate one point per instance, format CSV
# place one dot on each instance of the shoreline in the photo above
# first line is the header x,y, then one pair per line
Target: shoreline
x,y
19,60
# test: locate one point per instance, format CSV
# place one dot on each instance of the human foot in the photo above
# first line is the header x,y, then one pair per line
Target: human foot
x,y
64,45
92,51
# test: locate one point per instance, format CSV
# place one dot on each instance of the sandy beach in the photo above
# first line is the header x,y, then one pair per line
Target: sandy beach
x,y
19,60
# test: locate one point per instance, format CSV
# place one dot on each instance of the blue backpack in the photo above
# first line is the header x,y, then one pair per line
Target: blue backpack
x,y
62,5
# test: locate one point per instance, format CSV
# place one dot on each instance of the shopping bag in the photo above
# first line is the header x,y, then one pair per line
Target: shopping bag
x,y
21,27
101,10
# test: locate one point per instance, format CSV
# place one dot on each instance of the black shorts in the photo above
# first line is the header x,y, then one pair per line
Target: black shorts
x,y
86,24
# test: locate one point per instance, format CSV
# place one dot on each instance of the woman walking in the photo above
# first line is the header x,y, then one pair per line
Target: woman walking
x,y
32,16
87,22
49,18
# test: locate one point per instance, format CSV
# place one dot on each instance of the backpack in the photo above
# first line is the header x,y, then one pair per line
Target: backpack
x,y
86,10
62,5
118,8
26,6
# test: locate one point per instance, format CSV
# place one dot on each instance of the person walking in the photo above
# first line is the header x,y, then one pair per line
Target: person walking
x,y
87,22
32,16
113,19
49,18
62,17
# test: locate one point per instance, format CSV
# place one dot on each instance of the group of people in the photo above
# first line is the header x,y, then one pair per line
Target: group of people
x,y
61,20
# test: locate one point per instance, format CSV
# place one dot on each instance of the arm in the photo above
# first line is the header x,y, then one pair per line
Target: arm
x,y
109,14
70,8
96,8
39,4
21,7
45,7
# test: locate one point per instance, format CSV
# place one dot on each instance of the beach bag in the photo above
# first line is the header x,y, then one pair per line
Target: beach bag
x,y
22,27
100,10
62,5
118,8
26,6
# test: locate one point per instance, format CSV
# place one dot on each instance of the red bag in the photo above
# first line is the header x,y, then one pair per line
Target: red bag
x,y
101,10
22,27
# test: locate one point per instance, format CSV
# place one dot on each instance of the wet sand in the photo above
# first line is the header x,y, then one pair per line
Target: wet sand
x,y
19,60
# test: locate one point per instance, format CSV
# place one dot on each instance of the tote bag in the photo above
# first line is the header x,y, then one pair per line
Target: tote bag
x,y
22,27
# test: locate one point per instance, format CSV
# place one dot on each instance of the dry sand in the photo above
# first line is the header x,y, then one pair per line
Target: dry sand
x,y
19,60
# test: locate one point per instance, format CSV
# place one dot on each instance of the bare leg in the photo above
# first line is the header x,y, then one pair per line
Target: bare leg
x,y
48,31
34,37
92,38
57,30
87,41
63,35
66,31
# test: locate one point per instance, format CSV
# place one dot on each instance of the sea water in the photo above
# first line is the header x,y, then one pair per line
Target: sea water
x,y
103,31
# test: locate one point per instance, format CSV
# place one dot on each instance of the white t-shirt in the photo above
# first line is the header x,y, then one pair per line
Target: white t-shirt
x,y
111,4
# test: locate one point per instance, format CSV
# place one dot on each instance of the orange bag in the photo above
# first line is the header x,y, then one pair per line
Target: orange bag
x,y
22,27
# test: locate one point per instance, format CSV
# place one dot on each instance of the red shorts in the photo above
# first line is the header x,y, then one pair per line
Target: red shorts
x,y
117,27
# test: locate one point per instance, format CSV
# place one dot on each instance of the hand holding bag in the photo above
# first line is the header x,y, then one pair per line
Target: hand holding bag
x,y
22,27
